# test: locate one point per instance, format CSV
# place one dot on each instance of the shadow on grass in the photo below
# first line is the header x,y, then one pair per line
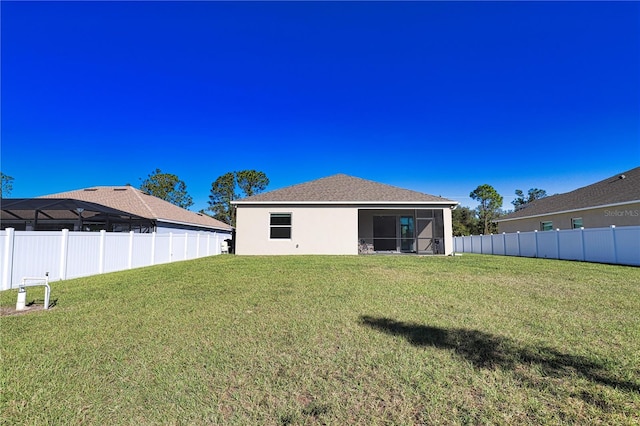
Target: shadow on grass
x,y
485,350
38,302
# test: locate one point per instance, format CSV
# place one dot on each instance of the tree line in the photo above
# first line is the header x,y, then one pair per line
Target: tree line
x,y
467,221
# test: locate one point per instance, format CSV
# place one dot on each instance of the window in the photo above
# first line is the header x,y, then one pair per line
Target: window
x,y
546,226
576,222
280,226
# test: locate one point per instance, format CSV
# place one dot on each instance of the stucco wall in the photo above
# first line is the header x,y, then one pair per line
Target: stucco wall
x,y
448,231
625,215
314,230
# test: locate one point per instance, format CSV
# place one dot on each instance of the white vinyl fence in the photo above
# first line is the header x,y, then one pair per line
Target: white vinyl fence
x,y
604,245
64,254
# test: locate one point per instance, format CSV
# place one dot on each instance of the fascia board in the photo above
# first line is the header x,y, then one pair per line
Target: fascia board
x,y
195,225
346,203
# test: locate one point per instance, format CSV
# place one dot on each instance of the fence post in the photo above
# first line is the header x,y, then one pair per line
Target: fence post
x,y
504,243
519,251
558,243
170,246
536,234
198,244
186,245
103,237
584,254
491,240
64,244
615,248
153,248
130,261
7,262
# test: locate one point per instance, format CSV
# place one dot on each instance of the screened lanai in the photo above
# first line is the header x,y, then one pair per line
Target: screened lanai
x,y
419,231
54,214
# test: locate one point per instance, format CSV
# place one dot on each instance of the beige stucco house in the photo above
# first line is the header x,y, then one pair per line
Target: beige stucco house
x,y
612,201
342,214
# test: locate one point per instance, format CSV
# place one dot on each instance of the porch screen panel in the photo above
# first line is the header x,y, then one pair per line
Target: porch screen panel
x,y
384,233
425,235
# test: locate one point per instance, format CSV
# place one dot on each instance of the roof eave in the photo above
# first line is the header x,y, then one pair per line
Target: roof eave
x,y
176,222
389,203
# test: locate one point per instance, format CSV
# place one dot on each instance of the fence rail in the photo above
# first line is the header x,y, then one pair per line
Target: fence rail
x,y
66,254
604,245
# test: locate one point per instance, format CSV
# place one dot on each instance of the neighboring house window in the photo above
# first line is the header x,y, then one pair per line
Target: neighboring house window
x,y
280,226
576,222
546,226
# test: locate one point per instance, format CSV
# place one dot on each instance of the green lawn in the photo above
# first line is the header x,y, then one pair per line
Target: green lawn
x,y
330,340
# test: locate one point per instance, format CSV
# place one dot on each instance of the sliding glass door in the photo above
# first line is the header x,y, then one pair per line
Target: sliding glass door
x,y
407,234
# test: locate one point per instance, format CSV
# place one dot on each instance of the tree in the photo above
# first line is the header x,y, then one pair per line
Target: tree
x,y
224,191
7,185
533,194
251,182
167,187
489,208
464,221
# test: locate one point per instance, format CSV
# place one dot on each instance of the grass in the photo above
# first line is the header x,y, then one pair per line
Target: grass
x,y
330,340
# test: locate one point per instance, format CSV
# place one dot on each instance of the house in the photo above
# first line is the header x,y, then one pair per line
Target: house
x,y
342,214
112,208
612,201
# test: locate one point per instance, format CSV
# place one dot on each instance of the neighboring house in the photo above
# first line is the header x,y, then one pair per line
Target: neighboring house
x,y
612,201
112,208
342,214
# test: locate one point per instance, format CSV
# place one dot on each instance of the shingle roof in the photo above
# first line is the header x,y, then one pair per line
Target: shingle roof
x,y
134,201
613,190
344,188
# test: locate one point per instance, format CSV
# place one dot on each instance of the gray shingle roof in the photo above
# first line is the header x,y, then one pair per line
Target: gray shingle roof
x,y
612,190
344,188
134,201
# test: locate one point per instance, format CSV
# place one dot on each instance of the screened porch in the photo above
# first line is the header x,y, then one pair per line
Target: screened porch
x,y
418,231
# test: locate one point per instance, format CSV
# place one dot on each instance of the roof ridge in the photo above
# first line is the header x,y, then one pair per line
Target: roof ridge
x,y
138,193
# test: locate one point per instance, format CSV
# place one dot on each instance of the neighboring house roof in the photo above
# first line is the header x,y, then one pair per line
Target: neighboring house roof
x,y
136,202
623,188
342,189
59,209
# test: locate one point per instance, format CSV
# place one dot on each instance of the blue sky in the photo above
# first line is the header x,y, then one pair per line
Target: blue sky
x,y
437,97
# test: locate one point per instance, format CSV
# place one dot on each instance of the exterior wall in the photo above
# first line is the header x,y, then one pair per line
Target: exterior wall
x,y
625,215
314,230
166,227
448,231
